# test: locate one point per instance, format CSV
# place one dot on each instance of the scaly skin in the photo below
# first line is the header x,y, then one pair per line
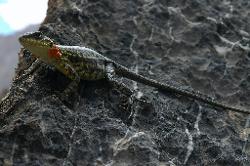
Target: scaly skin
x,y
83,63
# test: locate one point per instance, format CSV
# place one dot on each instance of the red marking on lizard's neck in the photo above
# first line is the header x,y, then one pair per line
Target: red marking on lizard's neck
x,y
54,52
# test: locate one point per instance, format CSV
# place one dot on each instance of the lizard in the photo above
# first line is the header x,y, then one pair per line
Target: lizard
x,y
84,63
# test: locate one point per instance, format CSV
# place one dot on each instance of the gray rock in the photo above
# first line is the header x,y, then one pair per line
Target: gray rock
x,y
196,45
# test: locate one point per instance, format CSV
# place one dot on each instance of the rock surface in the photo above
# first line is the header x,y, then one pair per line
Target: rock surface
x,y
200,45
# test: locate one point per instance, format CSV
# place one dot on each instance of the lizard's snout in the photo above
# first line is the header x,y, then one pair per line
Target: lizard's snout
x,y
20,39
30,35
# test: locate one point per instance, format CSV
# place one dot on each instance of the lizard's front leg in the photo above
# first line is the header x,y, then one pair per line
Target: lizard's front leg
x,y
35,65
72,88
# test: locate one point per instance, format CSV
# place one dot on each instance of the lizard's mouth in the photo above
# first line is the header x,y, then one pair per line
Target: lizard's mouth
x,y
27,42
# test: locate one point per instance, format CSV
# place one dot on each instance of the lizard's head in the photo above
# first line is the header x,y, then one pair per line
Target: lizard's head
x,y
40,46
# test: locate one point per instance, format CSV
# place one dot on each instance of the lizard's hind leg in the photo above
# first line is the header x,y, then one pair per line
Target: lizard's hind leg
x,y
115,82
131,101
123,88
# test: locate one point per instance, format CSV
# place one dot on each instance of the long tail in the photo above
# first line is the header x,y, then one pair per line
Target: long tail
x,y
124,72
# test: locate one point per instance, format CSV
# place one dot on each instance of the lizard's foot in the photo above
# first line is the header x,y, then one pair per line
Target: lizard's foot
x,y
70,95
34,66
133,99
126,96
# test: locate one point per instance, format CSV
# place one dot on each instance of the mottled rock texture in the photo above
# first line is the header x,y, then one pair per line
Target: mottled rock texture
x,y
199,44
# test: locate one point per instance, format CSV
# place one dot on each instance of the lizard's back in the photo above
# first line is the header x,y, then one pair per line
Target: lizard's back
x,y
87,63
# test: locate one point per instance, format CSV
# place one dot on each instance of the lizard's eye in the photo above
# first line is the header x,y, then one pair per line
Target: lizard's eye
x,y
48,42
37,34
